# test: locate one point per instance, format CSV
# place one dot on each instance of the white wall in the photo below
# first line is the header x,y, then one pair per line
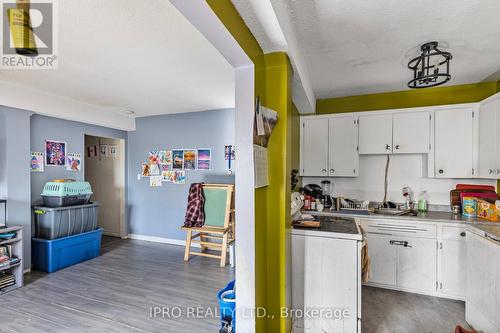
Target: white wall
x,y
404,170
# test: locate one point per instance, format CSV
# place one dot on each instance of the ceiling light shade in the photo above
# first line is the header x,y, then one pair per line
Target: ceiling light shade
x,y
431,68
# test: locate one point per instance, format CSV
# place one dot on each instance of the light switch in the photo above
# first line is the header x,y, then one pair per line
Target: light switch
x,y
138,176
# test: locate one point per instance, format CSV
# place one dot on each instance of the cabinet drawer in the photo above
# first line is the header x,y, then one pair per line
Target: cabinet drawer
x,y
399,228
453,233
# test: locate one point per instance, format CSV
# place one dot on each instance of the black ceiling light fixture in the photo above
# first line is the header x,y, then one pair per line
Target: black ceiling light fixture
x,y
431,68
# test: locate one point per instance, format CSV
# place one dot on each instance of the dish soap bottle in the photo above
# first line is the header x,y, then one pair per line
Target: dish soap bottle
x,y
422,202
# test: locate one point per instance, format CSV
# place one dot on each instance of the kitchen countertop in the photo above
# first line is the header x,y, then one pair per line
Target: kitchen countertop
x,y
488,228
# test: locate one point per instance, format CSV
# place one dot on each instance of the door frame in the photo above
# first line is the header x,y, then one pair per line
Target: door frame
x,y
123,180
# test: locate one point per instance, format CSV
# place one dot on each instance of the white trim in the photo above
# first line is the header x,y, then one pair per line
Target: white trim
x,y
163,240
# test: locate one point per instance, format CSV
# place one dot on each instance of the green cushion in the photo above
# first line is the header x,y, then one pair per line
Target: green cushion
x,y
215,206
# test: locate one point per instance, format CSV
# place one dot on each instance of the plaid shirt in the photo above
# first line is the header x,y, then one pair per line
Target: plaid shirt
x,y
195,213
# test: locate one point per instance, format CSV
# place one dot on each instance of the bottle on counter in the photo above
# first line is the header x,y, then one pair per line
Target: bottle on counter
x,y
422,202
307,202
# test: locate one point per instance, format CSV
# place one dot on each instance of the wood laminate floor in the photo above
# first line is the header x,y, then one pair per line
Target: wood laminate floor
x,y
388,311
115,293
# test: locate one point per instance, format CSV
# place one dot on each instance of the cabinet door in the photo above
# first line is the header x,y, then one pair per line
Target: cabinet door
x,y
417,264
487,138
453,268
317,262
453,143
383,259
343,138
482,305
411,133
314,152
375,134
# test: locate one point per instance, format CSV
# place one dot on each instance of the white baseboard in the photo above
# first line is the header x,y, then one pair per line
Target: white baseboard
x,y
163,240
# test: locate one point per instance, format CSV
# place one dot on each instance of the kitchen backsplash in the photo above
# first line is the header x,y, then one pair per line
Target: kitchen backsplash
x,y
404,170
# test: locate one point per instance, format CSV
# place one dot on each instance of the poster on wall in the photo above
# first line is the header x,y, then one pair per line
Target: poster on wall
x,y
36,161
204,159
154,157
154,170
155,181
190,159
103,150
165,167
55,153
74,162
145,170
174,176
165,157
113,151
177,159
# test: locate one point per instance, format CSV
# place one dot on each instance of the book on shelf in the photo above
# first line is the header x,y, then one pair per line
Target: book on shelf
x,y
9,262
7,280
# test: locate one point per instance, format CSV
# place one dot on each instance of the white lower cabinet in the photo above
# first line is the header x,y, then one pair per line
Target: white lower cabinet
x,y
403,262
452,249
383,259
326,278
482,304
417,264
427,258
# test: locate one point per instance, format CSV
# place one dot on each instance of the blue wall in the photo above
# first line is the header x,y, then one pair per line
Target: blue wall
x,y
160,211
15,143
71,132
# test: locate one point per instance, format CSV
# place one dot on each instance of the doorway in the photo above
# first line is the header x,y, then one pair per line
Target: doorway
x,y
104,168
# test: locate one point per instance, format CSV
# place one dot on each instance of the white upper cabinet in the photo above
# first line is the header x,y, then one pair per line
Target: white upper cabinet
x,y
398,133
343,145
489,139
411,132
314,151
454,143
375,134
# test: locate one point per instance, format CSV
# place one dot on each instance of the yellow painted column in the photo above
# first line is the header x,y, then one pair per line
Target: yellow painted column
x,y
278,82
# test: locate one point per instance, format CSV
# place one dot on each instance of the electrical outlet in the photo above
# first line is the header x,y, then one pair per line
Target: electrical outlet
x,y
139,176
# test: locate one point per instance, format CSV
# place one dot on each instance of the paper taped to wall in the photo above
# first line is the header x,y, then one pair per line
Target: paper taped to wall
x,y
260,166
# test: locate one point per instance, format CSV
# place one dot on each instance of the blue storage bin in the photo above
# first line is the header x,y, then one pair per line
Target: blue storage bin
x,y
227,304
52,255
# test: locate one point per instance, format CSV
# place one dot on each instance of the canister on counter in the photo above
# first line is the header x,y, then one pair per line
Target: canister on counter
x,y
469,207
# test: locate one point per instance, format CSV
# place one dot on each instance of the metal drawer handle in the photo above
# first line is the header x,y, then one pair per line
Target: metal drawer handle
x,y
396,146
399,243
387,147
323,170
490,171
332,170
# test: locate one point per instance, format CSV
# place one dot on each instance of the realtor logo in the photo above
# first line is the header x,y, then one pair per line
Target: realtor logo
x,y
29,34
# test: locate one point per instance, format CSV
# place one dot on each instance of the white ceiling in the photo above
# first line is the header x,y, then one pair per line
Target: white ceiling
x,y
127,55
360,47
